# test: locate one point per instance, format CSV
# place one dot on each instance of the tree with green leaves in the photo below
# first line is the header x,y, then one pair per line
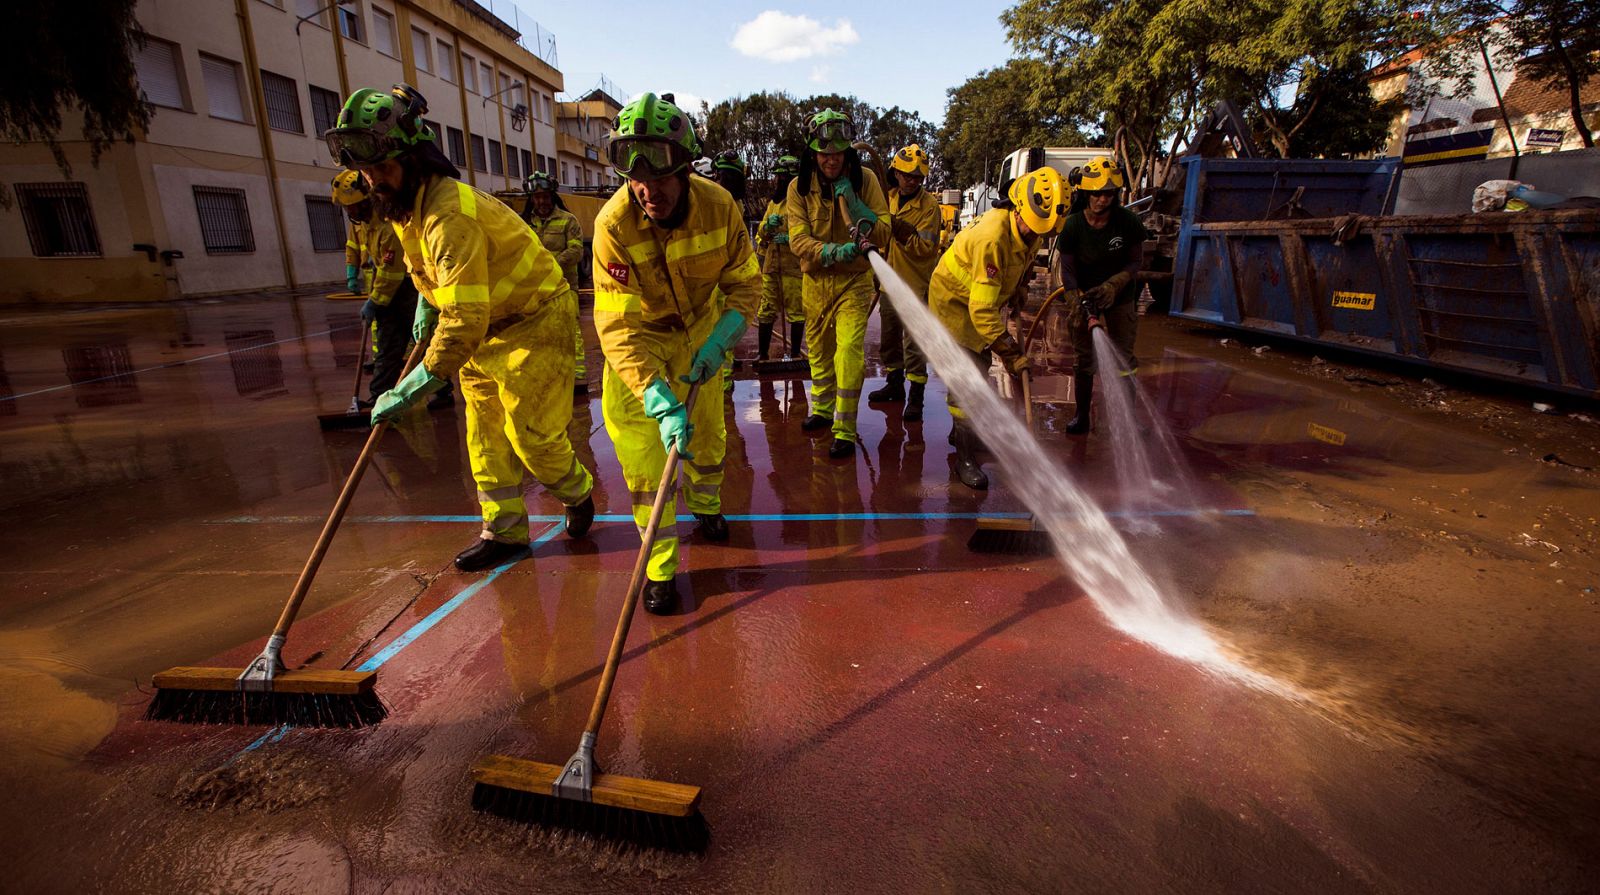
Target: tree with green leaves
x,y
996,112
71,59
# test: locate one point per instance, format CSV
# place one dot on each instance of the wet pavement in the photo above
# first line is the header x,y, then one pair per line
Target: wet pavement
x,y
867,704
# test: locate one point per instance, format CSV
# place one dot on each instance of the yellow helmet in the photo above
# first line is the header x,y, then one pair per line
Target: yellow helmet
x,y
350,188
1101,175
1041,197
911,160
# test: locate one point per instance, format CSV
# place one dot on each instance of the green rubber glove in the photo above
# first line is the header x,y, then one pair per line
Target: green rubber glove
x,y
708,360
669,413
853,204
839,253
422,324
781,239
417,385
774,221
352,278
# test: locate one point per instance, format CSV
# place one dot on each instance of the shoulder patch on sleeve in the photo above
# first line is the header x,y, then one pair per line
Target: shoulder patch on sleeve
x,y
619,272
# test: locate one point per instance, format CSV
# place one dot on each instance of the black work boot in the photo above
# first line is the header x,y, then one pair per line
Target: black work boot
x,y
797,336
1083,393
579,517
893,391
486,554
816,422
913,411
713,526
841,449
967,468
660,597
763,339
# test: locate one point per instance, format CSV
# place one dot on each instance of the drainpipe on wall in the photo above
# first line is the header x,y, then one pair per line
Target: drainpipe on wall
x,y
260,104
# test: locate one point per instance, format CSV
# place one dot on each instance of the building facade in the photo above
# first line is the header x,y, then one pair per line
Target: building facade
x,y
581,128
228,190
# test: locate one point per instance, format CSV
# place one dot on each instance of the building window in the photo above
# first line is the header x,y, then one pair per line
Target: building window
x,y
420,52
350,24
58,219
485,78
516,95
458,147
447,63
469,72
159,74
527,161
550,165
224,220
383,39
478,160
564,178
223,97
513,170
327,224
283,103
497,164
325,107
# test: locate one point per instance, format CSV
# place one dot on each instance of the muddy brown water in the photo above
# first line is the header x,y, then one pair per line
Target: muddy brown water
x,y
867,704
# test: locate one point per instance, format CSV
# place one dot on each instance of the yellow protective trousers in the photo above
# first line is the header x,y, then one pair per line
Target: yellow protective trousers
x,y
519,403
781,291
836,339
580,369
637,438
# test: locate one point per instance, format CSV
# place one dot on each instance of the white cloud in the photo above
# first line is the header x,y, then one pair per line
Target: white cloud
x,y
820,73
779,37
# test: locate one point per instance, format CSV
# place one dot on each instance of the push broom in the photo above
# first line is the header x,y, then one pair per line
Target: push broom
x,y
265,692
792,361
353,417
578,796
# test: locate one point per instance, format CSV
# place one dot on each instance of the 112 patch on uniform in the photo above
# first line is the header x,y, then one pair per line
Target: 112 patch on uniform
x,y
619,272
991,270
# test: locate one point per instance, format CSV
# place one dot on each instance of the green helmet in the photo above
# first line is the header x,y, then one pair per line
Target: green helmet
x,y
831,131
653,136
787,165
374,125
728,160
540,182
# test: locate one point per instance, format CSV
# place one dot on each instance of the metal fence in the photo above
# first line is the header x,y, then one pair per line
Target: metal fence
x,y
532,36
1447,188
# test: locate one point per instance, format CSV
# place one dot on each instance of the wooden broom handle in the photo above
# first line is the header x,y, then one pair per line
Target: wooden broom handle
x,y
361,358
666,492
1027,399
298,595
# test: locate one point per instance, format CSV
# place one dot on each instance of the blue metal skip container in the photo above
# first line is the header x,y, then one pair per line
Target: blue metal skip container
x,y
1514,296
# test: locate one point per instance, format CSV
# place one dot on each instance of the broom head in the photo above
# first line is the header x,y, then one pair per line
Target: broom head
x,y
304,698
647,813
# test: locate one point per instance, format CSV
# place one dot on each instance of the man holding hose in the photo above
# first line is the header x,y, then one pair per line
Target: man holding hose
x,y
675,284
975,281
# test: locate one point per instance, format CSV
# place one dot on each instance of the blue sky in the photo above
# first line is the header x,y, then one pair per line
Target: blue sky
x,y
885,53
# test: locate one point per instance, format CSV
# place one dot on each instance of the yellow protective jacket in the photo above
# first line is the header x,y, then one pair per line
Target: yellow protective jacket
x,y
776,257
654,289
976,277
563,236
816,219
914,258
475,260
375,242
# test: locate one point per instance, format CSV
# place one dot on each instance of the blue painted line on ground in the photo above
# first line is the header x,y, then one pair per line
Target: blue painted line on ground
x,y
168,366
753,517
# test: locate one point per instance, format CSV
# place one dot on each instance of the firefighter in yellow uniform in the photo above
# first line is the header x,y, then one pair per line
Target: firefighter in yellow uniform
x,y
392,299
828,199
780,269
912,253
976,280
496,309
561,233
665,245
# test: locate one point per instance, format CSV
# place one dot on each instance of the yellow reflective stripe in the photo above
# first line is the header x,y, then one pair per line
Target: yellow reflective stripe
x,y
574,242
986,293
609,302
697,245
956,269
468,199
512,280
641,252
461,294
748,270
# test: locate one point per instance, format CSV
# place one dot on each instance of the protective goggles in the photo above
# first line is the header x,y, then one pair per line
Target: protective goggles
x,y
833,136
351,148
646,158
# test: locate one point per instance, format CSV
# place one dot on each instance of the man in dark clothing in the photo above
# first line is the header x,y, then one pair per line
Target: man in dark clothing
x,y
1101,248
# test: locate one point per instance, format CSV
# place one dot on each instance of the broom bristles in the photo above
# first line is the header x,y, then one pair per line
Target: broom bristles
x,y
1010,543
266,709
645,829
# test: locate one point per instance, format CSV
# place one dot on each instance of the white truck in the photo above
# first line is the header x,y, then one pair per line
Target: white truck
x,y
977,198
